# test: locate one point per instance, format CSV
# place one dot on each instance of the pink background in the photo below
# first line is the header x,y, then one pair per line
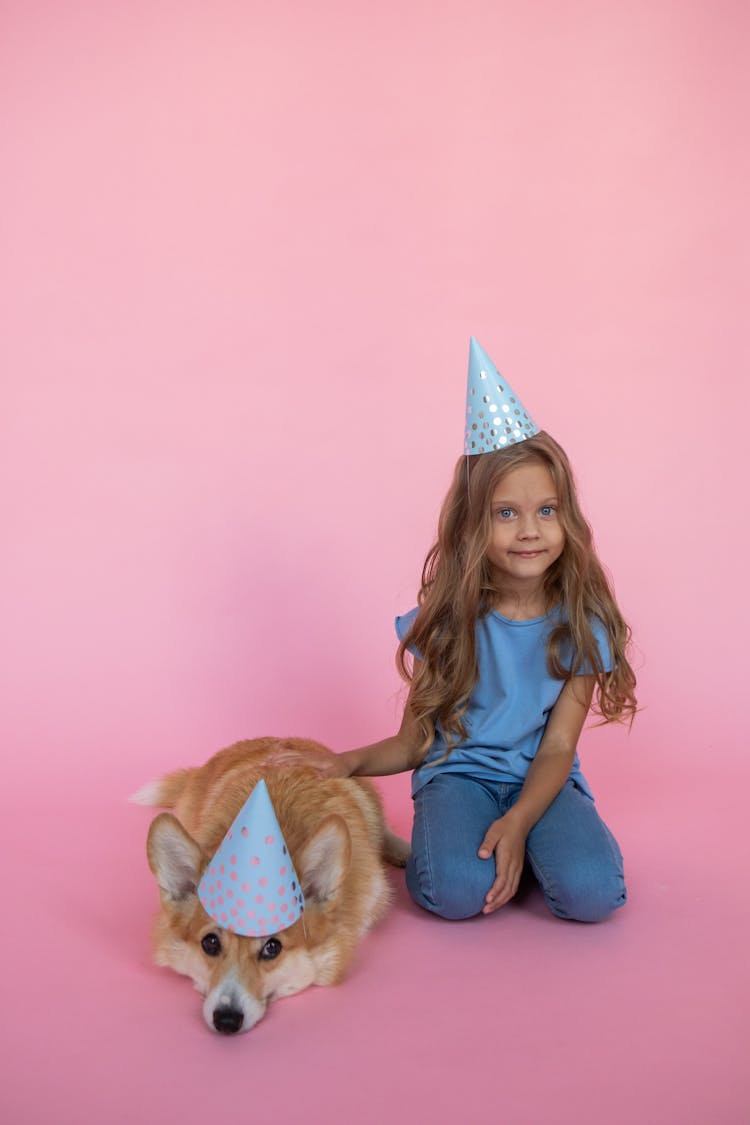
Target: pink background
x,y
243,248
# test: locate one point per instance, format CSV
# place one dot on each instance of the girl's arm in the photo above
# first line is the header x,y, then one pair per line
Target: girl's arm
x,y
547,774
402,751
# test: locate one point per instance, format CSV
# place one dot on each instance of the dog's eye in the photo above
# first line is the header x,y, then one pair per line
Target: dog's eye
x,y
271,949
211,945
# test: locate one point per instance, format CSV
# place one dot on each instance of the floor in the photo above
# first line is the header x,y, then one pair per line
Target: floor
x,y
514,1018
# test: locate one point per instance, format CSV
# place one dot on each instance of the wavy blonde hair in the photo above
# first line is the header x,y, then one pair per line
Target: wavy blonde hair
x,y
458,588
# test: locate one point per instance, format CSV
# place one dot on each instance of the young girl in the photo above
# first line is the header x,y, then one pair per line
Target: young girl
x,y
515,630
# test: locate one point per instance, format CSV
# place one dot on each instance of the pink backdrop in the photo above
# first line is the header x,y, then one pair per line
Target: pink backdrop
x,y
243,249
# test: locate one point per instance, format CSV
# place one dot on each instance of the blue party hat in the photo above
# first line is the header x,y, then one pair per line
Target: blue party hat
x,y
495,415
250,886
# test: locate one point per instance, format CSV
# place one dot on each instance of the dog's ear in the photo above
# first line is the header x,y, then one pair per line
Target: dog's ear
x,y
174,857
325,861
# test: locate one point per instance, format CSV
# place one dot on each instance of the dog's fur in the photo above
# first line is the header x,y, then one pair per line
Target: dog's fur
x,y
337,838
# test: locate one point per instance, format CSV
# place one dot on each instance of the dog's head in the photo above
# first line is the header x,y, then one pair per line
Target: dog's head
x,y
240,976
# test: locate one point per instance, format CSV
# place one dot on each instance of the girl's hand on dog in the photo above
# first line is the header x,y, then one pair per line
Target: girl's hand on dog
x,y
326,763
507,839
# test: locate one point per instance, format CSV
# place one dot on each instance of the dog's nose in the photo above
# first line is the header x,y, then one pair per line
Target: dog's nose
x,y
227,1020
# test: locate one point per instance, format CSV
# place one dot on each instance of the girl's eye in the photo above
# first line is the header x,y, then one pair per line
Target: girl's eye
x,y
505,513
547,510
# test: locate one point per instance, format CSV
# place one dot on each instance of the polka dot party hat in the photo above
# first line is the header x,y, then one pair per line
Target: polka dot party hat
x,y
495,415
250,886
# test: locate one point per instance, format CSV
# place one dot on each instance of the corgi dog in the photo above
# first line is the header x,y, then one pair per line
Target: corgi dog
x,y
337,838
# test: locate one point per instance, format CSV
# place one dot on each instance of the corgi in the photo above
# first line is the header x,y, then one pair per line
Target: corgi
x,y
337,839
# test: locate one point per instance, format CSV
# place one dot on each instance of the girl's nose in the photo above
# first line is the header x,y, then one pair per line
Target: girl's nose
x,y
527,528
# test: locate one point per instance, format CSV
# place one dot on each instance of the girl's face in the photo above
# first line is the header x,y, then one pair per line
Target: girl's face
x,y
527,536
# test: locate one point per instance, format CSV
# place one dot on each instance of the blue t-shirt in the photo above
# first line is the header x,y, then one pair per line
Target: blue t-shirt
x,y
510,704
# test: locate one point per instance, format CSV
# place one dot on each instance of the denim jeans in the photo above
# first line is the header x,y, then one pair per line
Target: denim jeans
x,y
570,850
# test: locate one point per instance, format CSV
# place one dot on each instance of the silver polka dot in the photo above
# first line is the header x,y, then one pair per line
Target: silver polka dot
x,y
493,408
486,398
506,408
482,374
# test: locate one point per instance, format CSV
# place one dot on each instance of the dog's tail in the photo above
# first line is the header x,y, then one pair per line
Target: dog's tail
x,y
163,793
395,850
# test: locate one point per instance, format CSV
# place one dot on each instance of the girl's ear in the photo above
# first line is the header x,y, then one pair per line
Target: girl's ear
x,y
174,857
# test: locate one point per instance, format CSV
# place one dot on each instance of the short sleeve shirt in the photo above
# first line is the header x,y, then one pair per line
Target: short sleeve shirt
x,y
510,704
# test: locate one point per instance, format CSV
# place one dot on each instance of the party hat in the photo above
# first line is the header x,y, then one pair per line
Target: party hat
x,y
495,415
250,886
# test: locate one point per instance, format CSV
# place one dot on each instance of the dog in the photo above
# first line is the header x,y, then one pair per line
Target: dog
x,y
337,839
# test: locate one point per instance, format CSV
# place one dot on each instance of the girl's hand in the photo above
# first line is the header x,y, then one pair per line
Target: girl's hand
x,y
325,762
507,839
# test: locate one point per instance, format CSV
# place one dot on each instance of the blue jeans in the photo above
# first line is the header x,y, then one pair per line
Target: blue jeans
x,y
570,850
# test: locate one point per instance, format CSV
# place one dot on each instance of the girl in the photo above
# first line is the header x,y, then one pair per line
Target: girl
x,y
515,630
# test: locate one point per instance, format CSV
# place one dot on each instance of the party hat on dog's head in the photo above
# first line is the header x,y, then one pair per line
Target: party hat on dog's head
x,y
250,886
495,415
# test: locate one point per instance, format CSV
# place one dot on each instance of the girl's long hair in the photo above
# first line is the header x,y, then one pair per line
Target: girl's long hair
x,y
458,588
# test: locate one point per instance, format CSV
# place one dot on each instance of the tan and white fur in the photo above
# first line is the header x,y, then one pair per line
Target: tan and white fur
x,y
337,838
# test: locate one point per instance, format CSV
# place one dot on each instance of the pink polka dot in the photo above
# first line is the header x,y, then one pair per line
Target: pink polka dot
x,y
259,898
255,861
272,908
283,908
244,831
252,914
229,834
234,875
230,893
221,868
212,871
211,889
269,839
233,859
246,887
233,912
219,884
240,903
281,892
220,900
261,922
282,871
223,917
275,920
263,882
213,904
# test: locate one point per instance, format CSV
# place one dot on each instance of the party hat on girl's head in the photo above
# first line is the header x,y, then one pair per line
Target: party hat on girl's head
x,y
250,886
495,415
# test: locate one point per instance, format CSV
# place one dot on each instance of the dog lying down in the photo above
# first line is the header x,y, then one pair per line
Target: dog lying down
x,y
337,840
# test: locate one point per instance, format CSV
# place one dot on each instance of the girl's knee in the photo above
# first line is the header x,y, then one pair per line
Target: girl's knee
x,y
581,898
452,894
